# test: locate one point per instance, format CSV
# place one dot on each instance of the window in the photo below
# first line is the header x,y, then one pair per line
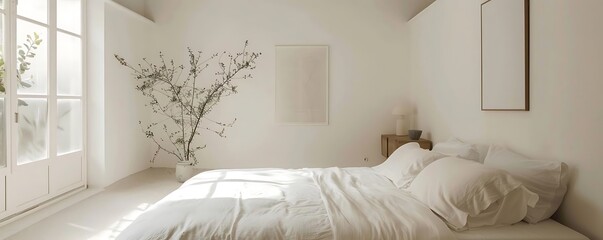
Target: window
x,y
3,86
42,100
49,79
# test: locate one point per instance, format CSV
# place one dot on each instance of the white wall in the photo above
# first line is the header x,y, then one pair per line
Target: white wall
x,y
95,143
565,120
137,6
127,150
413,7
368,72
116,145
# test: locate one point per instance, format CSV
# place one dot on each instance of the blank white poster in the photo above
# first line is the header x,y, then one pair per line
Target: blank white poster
x,y
302,85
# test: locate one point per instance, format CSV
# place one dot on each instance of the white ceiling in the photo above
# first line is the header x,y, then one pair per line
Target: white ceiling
x,y
414,7
410,7
137,6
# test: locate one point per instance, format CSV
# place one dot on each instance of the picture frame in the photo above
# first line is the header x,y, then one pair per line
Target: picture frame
x,y
505,60
302,84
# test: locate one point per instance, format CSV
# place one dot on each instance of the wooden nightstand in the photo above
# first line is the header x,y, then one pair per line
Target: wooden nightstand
x,y
391,142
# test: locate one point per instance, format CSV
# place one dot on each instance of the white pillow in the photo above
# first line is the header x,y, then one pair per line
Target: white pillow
x,y
456,148
469,194
548,179
405,163
482,149
506,211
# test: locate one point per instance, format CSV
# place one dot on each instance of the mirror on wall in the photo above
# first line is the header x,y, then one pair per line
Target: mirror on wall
x,y
505,55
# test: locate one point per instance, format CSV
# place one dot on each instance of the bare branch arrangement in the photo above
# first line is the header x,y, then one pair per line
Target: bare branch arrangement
x,y
181,102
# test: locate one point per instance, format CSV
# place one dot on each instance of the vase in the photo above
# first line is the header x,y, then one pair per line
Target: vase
x,y
414,134
184,171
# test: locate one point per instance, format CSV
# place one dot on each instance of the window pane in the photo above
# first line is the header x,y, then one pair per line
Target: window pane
x,y
32,58
2,69
32,131
2,94
33,9
69,65
2,134
69,15
69,130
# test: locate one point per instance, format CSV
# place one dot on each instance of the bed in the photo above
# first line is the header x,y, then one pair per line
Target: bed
x,y
546,230
331,203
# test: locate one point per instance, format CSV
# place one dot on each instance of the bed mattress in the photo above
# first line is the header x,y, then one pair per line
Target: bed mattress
x,y
546,230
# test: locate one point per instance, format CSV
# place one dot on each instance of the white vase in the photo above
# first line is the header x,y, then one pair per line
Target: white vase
x,y
184,171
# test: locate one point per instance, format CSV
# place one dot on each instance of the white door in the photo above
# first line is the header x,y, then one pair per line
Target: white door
x,y
46,104
67,164
4,85
31,85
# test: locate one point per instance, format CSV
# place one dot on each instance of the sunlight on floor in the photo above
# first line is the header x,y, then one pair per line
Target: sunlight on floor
x,y
106,214
116,228
81,227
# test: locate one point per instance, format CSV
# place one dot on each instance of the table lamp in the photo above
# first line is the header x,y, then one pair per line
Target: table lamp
x,y
400,122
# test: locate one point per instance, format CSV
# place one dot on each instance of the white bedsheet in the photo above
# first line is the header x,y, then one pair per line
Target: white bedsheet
x,y
333,203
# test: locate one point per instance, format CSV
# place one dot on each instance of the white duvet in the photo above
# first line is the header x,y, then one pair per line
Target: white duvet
x,y
332,203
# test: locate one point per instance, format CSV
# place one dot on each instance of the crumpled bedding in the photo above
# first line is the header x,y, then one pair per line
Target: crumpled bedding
x,y
331,203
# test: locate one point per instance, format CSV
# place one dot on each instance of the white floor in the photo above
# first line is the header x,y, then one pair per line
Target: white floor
x,y
105,214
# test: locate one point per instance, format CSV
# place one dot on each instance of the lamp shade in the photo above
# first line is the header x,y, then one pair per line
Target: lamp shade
x,y
399,111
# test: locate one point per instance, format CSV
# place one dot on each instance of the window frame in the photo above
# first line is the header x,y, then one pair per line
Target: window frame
x,y
52,96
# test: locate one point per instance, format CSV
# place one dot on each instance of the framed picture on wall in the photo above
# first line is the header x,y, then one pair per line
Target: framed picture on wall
x,y
505,41
302,85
